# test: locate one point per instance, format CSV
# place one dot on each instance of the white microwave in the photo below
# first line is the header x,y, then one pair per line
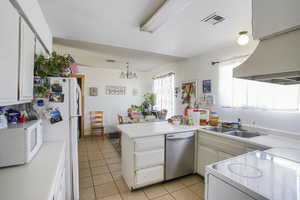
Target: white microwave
x,y
20,143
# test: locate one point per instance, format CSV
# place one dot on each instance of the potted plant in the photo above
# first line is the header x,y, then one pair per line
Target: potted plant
x,y
149,102
56,65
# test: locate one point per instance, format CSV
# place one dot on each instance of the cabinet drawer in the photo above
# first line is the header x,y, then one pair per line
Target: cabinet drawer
x,y
221,144
149,176
149,158
149,143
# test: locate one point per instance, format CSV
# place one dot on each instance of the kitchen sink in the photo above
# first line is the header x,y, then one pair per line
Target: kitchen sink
x,y
234,132
219,129
243,134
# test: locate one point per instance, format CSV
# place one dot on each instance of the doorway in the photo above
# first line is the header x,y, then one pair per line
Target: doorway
x,y
80,80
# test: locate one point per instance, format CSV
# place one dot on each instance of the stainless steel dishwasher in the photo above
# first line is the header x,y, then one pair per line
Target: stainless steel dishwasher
x,y
180,150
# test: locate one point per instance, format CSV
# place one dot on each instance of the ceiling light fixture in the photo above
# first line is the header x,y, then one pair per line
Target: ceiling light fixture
x,y
168,10
128,74
243,38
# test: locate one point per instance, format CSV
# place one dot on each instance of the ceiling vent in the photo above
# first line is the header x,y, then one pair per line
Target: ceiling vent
x,y
213,19
110,60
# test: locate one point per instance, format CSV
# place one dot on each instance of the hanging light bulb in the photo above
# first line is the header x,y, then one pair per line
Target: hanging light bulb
x,y
243,38
128,74
134,75
122,75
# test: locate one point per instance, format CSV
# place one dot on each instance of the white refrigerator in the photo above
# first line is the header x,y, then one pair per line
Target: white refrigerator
x,y
67,130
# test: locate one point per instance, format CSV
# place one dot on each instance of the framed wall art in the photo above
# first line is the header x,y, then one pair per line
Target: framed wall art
x,y
115,90
206,86
188,91
93,91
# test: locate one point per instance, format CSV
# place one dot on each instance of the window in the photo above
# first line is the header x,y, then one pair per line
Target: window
x,y
164,91
253,94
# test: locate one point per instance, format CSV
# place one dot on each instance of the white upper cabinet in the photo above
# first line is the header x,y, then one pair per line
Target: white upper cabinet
x,y
9,53
27,50
39,49
271,17
33,13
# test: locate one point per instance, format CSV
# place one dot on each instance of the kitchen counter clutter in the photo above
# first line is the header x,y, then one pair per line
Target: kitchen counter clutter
x,y
42,179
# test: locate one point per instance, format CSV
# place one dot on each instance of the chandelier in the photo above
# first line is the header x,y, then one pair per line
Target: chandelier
x,y
128,74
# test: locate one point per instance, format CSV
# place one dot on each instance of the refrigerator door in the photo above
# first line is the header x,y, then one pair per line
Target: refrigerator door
x,y
75,98
61,131
74,156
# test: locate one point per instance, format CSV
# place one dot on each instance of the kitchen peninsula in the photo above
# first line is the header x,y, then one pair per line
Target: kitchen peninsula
x,y
144,148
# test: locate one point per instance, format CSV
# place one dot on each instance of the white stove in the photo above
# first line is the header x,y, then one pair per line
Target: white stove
x,y
255,175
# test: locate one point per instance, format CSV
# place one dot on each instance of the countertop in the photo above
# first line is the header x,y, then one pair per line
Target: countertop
x,y
262,175
267,140
153,128
35,180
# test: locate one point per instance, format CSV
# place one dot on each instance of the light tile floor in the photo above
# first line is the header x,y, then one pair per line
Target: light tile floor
x,y
100,177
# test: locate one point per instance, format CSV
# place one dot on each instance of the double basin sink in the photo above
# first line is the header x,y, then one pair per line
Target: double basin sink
x,y
234,132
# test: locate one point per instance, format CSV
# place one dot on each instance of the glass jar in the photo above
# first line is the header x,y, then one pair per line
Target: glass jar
x,y
213,119
204,117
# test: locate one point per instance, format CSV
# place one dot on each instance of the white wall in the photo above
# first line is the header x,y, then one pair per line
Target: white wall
x,y
111,105
200,68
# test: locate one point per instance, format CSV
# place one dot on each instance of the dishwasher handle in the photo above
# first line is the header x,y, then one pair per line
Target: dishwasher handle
x,y
180,136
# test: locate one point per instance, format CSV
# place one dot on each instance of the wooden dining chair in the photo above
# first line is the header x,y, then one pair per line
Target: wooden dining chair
x,y
97,127
120,119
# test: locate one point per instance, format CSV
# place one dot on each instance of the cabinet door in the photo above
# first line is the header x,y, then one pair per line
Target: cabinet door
x,y
206,156
273,17
9,53
27,49
149,158
39,49
224,156
218,189
33,12
149,176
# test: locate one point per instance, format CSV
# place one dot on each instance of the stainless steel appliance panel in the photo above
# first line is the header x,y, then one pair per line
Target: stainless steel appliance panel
x,y
180,150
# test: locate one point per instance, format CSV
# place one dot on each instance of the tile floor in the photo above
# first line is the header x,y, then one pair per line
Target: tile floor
x,y
100,177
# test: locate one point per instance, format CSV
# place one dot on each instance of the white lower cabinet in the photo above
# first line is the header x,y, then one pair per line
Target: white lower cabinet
x,y
149,176
213,148
149,158
206,156
218,189
149,143
143,160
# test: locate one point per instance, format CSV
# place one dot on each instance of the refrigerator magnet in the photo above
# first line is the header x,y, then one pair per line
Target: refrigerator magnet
x,y
56,97
56,87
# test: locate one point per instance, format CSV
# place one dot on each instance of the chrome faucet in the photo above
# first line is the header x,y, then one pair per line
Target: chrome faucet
x,y
239,123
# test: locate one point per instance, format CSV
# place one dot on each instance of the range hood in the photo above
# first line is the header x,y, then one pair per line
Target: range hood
x,y
275,60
